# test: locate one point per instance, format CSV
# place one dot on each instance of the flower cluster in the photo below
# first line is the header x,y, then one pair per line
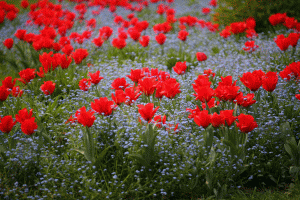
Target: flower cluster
x,y
28,124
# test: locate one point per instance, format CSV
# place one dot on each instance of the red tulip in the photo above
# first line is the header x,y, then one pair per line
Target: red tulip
x,y
251,81
119,84
250,23
95,77
226,90
250,46
65,61
170,88
67,49
251,33
201,81
202,118
20,34
208,72
23,115
205,11
105,32
147,86
212,103
282,42
16,91
103,106
193,112
119,97
122,35
136,75
277,18
182,35
98,41
86,118
147,111
290,22
144,41
180,67
213,3
2,16
8,43
48,87
28,126
7,82
269,81
79,55
228,116
134,34
159,121
292,70
298,96
84,84
293,39
217,120
27,75
91,23
258,73
237,27
246,123
119,43
227,93
204,93
46,60
57,47
201,56
160,38
245,101
131,95
6,124
225,33
24,4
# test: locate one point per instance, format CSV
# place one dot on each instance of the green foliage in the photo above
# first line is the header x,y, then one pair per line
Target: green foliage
x,y
174,56
215,50
230,11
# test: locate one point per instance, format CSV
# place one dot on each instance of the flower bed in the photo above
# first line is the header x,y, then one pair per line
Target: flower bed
x,y
139,100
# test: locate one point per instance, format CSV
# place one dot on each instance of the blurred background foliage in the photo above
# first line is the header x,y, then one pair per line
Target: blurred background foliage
x,y
229,11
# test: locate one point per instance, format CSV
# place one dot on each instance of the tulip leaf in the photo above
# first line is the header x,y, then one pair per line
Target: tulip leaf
x,y
294,169
12,63
25,64
5,158
2,149
212,155
22,54
291,148
103,153
80,150
209,137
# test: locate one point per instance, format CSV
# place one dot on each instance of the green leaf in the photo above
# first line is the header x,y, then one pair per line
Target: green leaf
x,y
46,137
272,178
294,169
53,105
212,155
209,136
12,63
2,149
5,158
292,149
25,64
103,153
22,54
80,150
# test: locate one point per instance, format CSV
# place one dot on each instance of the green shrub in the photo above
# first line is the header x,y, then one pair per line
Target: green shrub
x,y
230,11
